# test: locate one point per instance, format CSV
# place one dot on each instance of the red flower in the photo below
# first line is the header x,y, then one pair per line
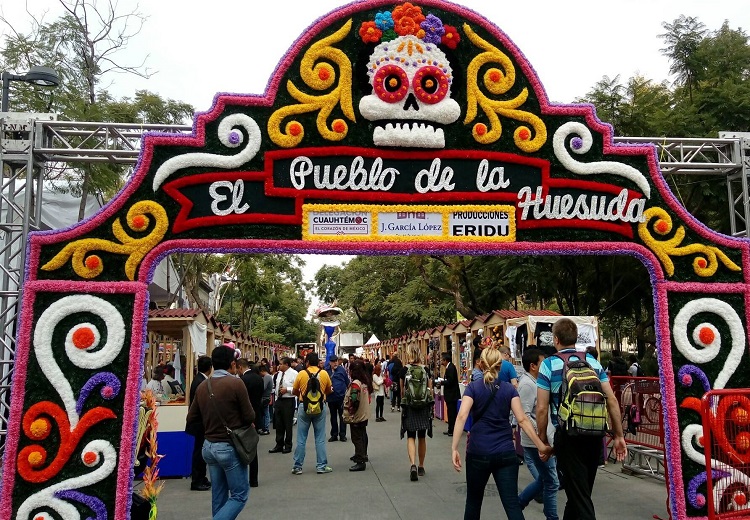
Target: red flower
x,y
407,19
370,33
451,38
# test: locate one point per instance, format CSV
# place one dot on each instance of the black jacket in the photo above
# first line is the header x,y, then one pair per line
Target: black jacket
x,y
451,391
195,428
254,384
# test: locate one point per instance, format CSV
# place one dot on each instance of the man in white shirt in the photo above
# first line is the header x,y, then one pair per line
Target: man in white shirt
x,y
283,415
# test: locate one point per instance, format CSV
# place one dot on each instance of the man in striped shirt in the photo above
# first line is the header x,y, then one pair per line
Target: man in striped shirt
x,y
577,456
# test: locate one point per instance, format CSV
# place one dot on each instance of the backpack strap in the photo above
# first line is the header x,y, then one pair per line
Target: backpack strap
x,y
478,417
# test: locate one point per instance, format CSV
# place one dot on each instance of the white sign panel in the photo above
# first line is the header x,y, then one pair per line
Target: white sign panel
x,y
478,224
339,223
410,223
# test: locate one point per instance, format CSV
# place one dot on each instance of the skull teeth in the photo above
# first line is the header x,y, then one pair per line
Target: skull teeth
x,y
422,135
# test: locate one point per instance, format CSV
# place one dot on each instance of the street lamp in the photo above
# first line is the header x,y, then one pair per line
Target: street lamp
x,y
40,76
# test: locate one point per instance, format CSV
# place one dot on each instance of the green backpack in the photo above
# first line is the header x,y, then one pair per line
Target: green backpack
x,y
416,392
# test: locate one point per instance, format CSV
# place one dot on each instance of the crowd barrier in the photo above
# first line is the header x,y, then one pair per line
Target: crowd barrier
x,y
643,424
725,415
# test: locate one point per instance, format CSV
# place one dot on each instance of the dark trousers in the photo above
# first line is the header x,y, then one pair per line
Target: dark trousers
x,y
452,407
360,441
199,465
338,426
379,405
254,472
504,469
578,460
395,394
283,417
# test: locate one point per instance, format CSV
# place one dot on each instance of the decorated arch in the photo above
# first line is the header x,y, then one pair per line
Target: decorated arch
x,y
387,128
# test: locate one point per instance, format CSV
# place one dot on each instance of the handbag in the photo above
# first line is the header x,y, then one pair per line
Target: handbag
x,y
244,439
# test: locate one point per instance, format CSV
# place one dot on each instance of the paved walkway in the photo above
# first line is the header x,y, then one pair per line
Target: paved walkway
x,y
385,492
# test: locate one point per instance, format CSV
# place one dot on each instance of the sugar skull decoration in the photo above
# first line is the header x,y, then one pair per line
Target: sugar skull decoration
x,y
410,78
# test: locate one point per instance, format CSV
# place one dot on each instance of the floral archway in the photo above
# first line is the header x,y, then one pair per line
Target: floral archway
x,y
388,128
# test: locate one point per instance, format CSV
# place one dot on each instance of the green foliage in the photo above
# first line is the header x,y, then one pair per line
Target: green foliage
x,y
83,46
264,296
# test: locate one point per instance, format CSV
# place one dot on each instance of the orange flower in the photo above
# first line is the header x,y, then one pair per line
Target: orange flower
x,y
370,33
407,19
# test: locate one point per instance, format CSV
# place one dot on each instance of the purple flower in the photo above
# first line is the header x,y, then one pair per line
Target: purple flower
x,y
433,29
235,137
576,143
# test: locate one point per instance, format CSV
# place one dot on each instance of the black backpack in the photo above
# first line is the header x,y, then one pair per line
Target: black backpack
x,y
639,370
618,367
313,398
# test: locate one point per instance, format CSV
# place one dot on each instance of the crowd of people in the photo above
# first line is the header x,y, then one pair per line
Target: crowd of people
x,y
302,393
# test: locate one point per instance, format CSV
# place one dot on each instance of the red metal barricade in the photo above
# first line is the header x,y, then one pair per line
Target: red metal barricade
x,y
726,441
643,424
640,406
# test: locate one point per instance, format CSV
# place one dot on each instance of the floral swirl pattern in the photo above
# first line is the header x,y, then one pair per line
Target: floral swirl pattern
x,y
498,81
319,74
81,344
705,264
90,266
96,453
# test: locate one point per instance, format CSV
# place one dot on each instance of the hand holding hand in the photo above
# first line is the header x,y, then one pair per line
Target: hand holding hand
x,y
545,453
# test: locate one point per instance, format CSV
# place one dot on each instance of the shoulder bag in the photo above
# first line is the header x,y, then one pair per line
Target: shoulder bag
x,y
477,417
244,439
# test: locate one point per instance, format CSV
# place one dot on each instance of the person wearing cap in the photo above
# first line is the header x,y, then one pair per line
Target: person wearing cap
x,y
340,382
227,403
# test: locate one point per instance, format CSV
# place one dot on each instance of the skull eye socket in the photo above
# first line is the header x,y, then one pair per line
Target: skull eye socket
x,y
430,84
391,84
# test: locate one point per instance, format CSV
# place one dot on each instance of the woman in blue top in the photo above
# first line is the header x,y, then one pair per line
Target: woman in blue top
x,y
490,449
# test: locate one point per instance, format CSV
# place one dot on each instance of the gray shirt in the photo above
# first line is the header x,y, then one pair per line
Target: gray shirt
x,y
527,393
267,386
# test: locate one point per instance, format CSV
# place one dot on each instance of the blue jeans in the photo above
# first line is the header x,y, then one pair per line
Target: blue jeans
x,y
545,480
230,485
318,423
266,416
504,469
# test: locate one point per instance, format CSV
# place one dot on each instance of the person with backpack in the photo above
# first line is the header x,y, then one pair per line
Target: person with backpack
x,y
617,365
417,406
489,448
577,389
340,382
357,412
635,369
311,387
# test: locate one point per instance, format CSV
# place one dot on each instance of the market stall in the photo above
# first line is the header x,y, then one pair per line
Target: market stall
x,y
537,331
176,336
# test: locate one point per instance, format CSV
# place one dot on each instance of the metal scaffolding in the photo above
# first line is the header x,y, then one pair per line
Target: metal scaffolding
x,y
31,144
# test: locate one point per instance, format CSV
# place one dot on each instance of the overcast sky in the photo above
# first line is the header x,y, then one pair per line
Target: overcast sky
x,y
197,49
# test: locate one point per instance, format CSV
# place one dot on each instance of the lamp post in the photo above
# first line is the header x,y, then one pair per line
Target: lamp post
x,y
40,76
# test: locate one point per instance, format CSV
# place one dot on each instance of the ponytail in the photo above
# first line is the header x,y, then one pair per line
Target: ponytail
x,y
491,361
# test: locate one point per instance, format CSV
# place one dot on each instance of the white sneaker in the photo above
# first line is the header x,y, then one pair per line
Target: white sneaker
x,y
393,409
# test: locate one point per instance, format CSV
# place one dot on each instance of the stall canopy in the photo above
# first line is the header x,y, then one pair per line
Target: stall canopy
x,y
373,339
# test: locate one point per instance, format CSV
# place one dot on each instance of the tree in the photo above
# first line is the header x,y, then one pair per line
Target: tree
x,y
264,296
682,39
83,46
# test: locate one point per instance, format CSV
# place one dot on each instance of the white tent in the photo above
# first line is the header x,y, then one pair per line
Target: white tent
x,y
373,339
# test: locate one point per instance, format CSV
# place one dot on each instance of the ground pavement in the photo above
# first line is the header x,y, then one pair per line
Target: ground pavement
x,y
384,490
